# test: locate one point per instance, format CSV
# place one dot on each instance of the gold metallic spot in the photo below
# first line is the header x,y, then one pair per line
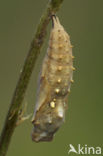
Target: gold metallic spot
x,y
54,100
59,80
72,68
72,57
52,104
72,81
50,121
60,68
57,90
69,90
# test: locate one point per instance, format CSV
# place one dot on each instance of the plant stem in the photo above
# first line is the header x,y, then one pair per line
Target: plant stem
x,y
18,96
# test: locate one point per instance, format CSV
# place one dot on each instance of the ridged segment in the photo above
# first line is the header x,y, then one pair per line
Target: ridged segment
x,y
59,58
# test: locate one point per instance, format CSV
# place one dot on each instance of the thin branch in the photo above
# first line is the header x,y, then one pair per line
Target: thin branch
x,y
25,75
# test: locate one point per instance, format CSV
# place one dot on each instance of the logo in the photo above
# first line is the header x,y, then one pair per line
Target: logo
x,y
84,149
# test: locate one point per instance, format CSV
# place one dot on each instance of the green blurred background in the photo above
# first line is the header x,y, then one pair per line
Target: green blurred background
x,y
83,20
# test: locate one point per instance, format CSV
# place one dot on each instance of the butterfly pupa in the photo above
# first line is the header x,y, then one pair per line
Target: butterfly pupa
x,y
54,85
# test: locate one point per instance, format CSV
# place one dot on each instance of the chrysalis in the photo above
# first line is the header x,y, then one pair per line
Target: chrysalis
x,y
55,79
